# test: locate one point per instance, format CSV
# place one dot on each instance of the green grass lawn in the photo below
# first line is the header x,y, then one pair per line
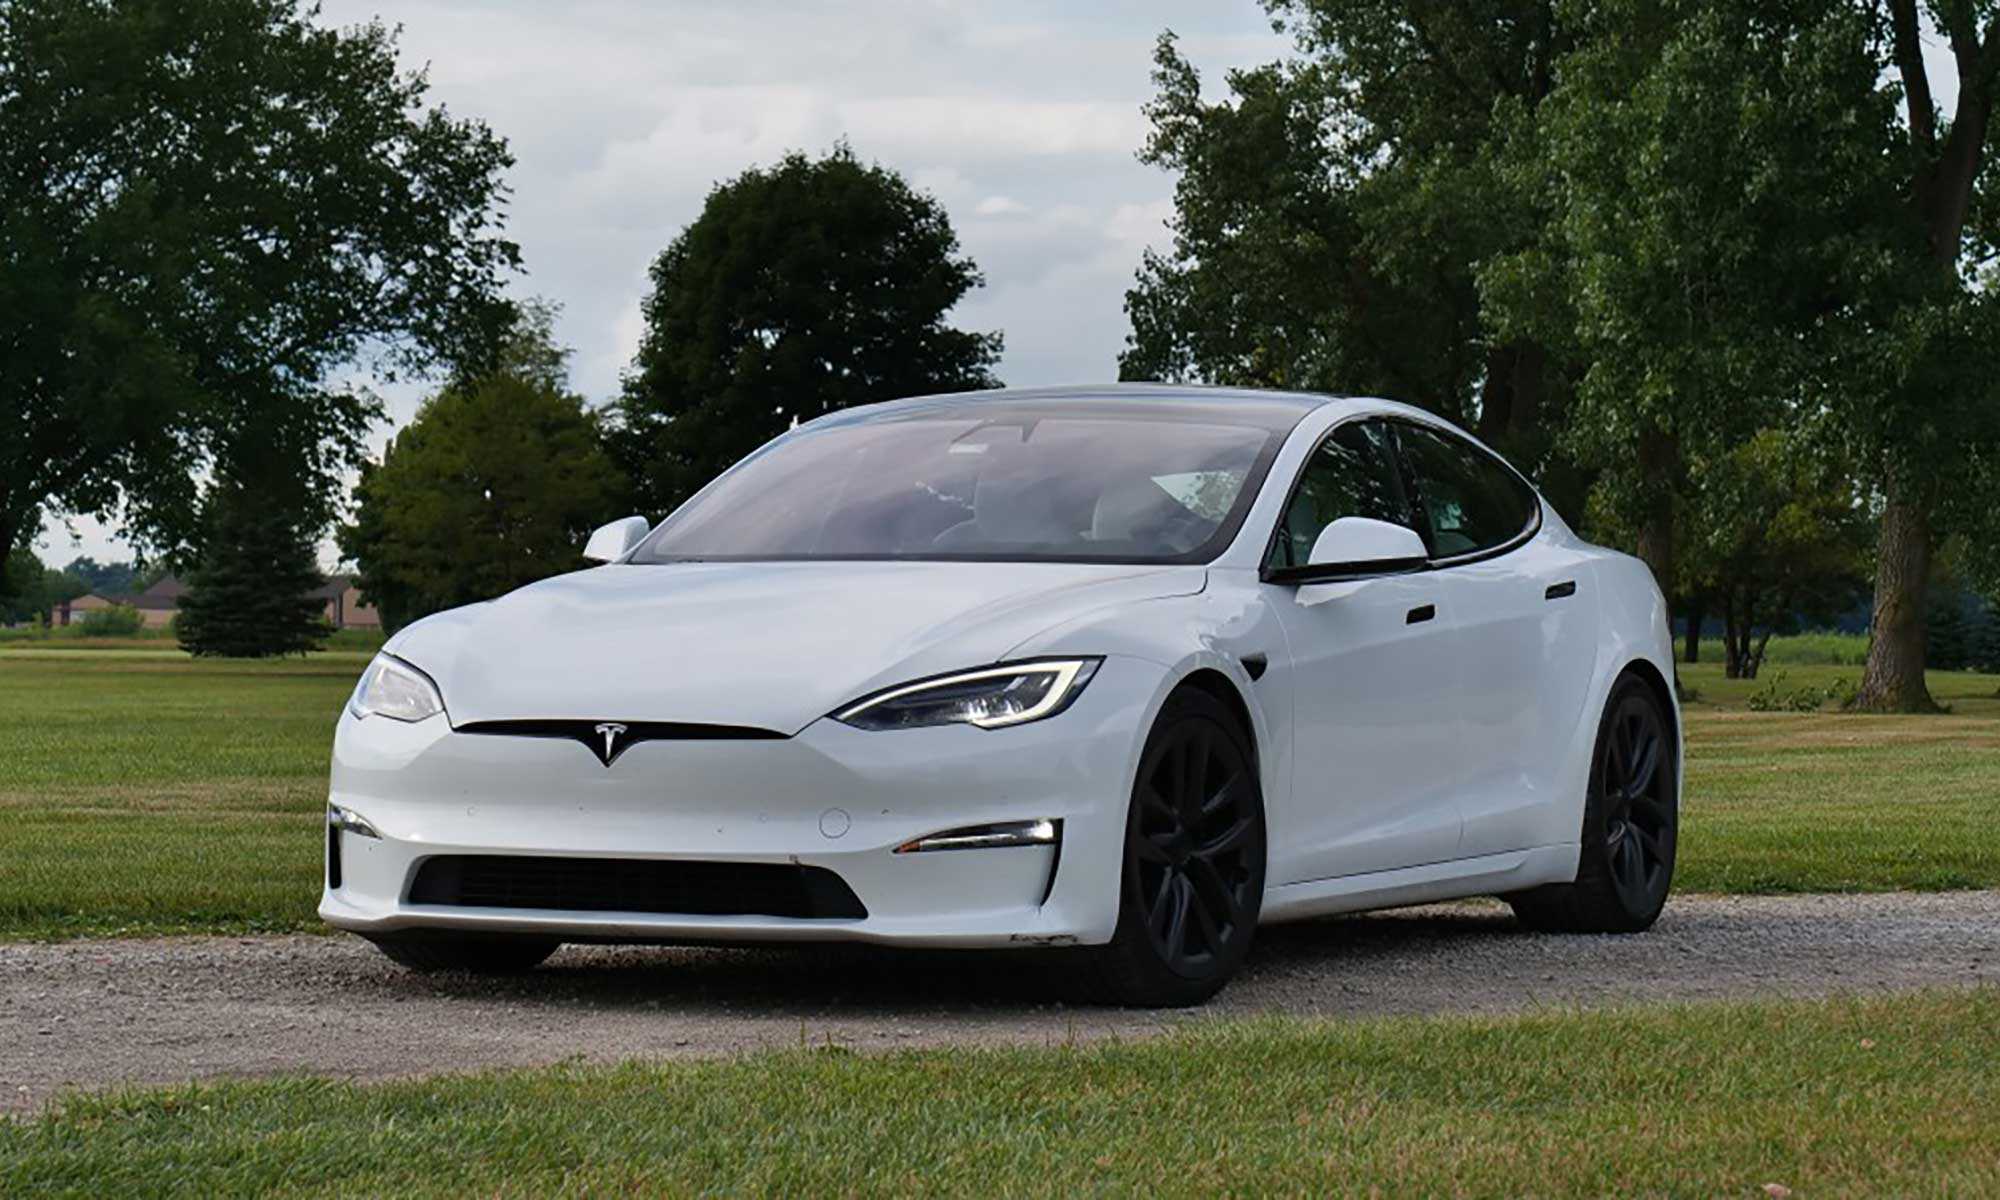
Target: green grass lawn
x,y
144,792
1842,1098
1829,801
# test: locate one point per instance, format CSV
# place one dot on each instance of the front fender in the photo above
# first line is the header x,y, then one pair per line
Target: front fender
x,y
1224,630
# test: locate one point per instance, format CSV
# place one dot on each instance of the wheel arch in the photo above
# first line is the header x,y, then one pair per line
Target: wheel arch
x,y
1224,690
1663,691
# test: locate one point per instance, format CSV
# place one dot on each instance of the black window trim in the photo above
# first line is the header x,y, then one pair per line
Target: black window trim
x,y
1285,575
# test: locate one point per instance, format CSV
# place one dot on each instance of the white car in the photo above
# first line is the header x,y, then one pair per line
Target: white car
x,y
1127,669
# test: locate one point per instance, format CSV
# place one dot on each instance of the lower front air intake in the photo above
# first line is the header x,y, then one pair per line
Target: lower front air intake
x,y
692,888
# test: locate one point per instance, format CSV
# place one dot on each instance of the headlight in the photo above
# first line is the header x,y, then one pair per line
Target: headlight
x,y
393,688
989,698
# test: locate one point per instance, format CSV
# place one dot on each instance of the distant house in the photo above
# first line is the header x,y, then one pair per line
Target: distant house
x,y
158,604
344,609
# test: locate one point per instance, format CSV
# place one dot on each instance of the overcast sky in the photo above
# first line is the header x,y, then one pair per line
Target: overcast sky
x,y
1022,118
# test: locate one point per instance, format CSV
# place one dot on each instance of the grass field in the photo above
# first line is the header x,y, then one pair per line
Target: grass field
x,y
71,637
1857,1098
148,793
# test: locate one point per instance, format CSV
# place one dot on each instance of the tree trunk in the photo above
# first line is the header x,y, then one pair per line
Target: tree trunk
x,y
1510,399
1524,416
1658,455
1757,655
1695,616
1893,680
1496,397
1941,198
9,530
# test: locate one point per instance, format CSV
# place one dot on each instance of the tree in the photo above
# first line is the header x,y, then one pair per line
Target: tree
x,y
58,587
1331,214
30,591
209,209
1718,237
1776,541
1931,433
800,289
23,590
250,592
108,579
496,483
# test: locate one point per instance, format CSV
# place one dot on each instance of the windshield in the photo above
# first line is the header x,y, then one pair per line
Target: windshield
x,y
1139,488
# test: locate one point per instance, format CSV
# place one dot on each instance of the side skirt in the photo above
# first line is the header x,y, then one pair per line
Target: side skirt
x,y
1484,876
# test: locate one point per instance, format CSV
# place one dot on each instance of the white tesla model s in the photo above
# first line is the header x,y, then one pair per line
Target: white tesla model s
x,y
1126,669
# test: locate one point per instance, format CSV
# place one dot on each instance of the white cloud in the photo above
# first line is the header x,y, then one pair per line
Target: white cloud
x,y
999,206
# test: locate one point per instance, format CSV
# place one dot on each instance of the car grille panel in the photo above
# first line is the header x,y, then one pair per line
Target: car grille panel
x,y
635,885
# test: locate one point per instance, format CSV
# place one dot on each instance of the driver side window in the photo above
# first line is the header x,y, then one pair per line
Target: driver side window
x,y
1353,473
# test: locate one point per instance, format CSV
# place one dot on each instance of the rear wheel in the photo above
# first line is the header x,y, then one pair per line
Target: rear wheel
x,y
1193,872
1625,864
479,953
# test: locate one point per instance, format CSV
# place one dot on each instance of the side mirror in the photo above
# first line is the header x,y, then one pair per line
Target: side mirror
x,y
614,541
1355,548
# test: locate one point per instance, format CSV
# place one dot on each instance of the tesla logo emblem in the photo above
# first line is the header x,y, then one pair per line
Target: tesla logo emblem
x,y
610,731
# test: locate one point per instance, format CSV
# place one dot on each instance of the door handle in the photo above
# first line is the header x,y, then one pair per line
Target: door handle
x,y
1558,590
1420,614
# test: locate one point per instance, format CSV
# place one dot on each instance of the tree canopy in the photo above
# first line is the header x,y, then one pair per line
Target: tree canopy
x,y
210,209
1719,236
801,289
1621,241
1332,211
30,590
496,483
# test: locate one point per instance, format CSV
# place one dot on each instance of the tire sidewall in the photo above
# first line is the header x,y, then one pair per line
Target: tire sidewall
x,y
1595,847
1132,943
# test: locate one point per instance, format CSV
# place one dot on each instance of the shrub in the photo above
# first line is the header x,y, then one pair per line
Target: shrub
x,y
1775,697
120,620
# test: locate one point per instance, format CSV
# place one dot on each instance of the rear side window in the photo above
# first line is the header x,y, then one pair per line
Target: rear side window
x,y
1469,499
1352,474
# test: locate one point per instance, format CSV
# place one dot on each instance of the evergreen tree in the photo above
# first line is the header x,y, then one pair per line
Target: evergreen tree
x,y
250,592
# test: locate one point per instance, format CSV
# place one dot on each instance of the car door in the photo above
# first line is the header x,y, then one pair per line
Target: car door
x,y
1524,629
1373,675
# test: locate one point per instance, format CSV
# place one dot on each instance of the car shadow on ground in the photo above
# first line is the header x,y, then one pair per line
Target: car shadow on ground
x,y
824,979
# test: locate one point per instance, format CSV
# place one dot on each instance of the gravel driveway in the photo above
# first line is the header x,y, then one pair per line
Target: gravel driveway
x,y
93,1014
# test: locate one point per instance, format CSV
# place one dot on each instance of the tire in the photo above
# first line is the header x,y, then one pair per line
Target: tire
x,y
1631,823
478,953
1192,875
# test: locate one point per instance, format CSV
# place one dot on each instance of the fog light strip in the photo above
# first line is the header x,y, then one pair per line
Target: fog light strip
x,y
987,837
352,822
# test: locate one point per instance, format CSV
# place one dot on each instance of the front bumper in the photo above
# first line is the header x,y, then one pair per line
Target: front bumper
x,y
831,797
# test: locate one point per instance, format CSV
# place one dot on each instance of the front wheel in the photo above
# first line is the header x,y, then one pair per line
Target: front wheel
x,y
1193,870
479,953
1631,819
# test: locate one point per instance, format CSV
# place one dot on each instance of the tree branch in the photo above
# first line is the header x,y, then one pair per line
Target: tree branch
x,y
1958,164
1958,24
1909,49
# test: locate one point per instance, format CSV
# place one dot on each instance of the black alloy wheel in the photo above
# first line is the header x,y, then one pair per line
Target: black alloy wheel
x,y
1631,821
1193,879
1638,818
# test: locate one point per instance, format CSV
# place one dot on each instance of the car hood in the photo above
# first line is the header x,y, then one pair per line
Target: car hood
x,y
769,645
